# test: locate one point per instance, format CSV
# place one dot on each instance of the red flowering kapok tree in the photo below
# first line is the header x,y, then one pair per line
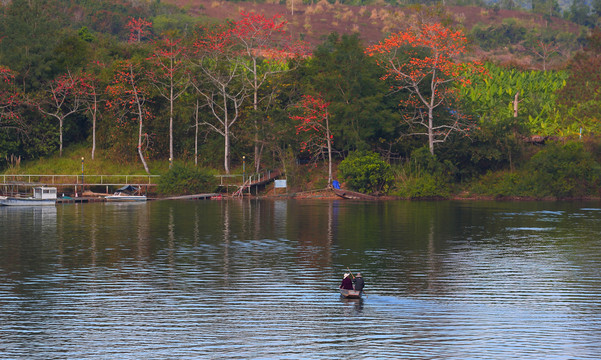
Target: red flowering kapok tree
x,y
61,98
313,121
138,29
428,78
219,82
9,101
170,76
265,50
128,94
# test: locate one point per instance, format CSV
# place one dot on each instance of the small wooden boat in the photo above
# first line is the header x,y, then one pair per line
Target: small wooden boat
x,y
347,194
350,294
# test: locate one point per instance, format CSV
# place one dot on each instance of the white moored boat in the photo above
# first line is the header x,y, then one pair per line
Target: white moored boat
x,y
41,196
126,193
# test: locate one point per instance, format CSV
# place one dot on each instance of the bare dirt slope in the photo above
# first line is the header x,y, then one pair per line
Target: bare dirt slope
x,y
313,22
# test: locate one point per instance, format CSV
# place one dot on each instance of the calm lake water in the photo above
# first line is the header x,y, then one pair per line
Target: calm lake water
x,y
258,279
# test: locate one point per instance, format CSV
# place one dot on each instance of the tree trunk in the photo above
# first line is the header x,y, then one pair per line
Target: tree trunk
x,y
431,130
431,109
60,136
94,113
226,152
329,142
140,118
196,136
140,146
171,119
226,133
257,157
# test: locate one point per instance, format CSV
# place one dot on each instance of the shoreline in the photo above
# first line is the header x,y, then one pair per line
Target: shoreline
x,y
316,195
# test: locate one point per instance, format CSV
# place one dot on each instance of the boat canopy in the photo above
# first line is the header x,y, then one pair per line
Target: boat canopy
x,y
128,189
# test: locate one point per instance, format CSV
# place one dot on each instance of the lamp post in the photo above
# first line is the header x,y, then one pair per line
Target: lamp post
x,y
243,169
82,176
170,160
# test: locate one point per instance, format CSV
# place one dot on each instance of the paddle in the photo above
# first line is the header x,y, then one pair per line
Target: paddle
x,y
349,270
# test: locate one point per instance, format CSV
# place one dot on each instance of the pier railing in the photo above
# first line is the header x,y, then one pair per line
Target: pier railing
x,y
72,180
254,179
60,180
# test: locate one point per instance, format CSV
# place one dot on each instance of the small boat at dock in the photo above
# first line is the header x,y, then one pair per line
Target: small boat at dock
x,y
127,193
42,196
350,294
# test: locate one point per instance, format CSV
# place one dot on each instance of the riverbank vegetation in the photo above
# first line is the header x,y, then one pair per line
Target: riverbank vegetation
x,y
430,110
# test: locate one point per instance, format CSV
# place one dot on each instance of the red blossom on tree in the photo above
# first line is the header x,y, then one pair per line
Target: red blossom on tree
x,y
265,49
138,29
128,95
427,78
10,100
218,82
313,123
217,39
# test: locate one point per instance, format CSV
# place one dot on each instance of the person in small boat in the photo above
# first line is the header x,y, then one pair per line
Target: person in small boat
x,y
358,282
347,283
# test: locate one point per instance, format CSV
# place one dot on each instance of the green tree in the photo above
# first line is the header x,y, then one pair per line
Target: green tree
x,y
32,27
366,172
580,99
366,115
580,13
596,8
186,180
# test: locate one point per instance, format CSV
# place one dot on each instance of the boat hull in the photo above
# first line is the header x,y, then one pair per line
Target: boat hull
x,y
350,294
127,198
11,201
347,194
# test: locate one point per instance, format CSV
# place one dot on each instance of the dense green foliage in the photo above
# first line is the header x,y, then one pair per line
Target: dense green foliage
x,y
492,36
491,98
366,172
424,176
564,171
580,100
186,180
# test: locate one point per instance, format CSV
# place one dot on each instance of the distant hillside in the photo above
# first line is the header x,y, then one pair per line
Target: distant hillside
x,y
313,22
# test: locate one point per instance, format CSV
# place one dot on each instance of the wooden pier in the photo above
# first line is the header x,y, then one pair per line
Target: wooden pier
x,y
11,184
79,200
257,181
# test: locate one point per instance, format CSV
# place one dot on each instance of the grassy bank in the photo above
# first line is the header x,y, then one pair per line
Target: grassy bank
x,y
558,170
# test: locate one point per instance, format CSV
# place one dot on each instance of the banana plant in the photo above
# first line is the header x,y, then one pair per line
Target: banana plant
x,y
492,95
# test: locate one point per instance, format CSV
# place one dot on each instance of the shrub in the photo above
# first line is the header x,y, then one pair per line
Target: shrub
x,y
366,172
186,180
423,187
424,176
562,171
